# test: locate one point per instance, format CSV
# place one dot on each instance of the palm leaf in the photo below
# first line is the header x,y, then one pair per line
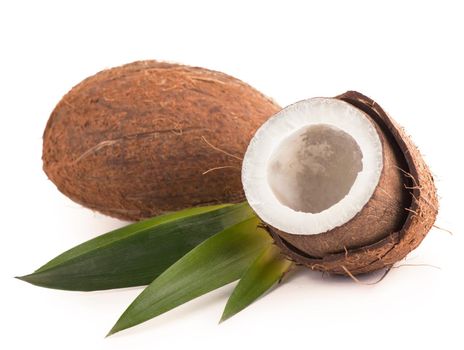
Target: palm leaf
x,y
265,271
216,262
136,254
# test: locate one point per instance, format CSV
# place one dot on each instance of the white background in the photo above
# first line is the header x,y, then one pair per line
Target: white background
x,y
406,55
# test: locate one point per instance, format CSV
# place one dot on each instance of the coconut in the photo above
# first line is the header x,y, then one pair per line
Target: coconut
x,y
339,185
151,137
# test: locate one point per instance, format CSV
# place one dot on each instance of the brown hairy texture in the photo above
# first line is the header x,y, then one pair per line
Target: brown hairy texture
x,y
400,213
152,137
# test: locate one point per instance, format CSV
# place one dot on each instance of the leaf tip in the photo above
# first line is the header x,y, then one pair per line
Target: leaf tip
x,y
113,330
225,316
25,278
120,325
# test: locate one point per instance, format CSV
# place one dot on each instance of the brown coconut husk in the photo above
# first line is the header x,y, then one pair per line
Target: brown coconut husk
x,y
152,137
400,213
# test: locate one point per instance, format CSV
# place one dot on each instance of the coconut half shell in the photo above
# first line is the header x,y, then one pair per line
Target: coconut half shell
x,y
151,137
391,224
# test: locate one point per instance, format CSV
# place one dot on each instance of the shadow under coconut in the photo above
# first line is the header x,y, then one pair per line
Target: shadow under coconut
x,y
371,278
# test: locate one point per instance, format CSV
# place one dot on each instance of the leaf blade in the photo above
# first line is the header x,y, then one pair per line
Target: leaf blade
x,y
264,273
216,262
136,254
124,232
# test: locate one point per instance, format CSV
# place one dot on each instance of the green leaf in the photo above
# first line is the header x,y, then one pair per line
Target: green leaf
x,y
265,271
136,254
216,262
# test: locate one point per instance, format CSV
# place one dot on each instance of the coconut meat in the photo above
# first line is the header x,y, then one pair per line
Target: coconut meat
x,y
312,166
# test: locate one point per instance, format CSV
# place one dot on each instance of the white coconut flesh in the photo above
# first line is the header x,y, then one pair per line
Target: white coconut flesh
x,y
313,166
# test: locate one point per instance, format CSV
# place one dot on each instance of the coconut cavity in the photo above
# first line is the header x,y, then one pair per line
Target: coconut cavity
x,y
314,168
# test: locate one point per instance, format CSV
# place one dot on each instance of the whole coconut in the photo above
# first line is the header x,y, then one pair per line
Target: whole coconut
x,y
152,137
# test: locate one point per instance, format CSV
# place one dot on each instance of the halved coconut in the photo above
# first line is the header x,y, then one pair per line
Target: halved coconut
x,y
335,181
